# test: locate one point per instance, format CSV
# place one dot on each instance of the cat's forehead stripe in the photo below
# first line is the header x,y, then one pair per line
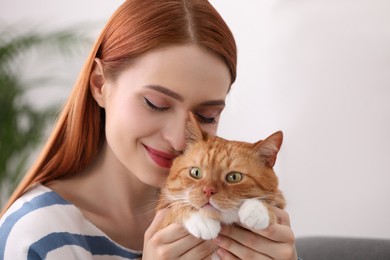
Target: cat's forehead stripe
x,y
218,153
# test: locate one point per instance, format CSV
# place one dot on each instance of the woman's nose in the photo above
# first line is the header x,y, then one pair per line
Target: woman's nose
x,y
175,133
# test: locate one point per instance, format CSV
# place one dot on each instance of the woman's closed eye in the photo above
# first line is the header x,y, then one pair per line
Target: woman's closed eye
x,y
204,117
154,107
205,120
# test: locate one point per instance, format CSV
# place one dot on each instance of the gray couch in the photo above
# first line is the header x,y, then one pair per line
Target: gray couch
x,y
342,248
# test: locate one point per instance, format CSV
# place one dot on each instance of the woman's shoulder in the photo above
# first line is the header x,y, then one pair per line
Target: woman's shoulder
x,y
42,222
35,215
35,207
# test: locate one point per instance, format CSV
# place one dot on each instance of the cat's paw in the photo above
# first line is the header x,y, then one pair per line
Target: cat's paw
x,y
202,227
254,214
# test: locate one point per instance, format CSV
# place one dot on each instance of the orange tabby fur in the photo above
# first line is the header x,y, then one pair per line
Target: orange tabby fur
x,y
216,157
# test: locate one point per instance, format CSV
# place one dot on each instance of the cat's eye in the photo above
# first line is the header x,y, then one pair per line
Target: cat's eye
x,y
234,177
196,173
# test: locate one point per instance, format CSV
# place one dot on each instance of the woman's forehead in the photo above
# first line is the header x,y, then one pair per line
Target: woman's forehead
x,y
187,71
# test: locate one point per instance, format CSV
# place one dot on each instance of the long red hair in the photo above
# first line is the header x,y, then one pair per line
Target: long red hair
x,y
136,27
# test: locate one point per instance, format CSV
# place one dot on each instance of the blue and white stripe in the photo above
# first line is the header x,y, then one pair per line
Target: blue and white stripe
x,y
42,225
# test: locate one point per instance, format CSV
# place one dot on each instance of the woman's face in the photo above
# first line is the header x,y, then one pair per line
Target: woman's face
x,y
148,104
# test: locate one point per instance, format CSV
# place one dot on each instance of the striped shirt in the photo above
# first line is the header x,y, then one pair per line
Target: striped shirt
x,y
42,225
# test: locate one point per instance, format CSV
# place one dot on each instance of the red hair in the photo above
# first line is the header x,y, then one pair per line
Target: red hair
x,y
136,27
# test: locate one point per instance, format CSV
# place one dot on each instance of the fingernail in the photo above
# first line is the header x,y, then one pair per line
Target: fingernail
x,y
221,252
217,240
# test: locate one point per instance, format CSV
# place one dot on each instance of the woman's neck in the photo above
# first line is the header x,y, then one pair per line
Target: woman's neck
x,y
112,198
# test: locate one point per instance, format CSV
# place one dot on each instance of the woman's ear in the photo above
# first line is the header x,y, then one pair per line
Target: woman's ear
x,y
97,81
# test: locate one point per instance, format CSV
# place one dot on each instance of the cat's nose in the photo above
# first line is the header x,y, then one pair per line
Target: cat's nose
x,y
208,191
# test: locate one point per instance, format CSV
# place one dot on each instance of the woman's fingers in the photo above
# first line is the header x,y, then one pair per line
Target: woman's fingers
x,y
234,242
277,233
204,250
243,243
154,226
226,255
246,244
282,216
167,235
275,242
163,243
174,242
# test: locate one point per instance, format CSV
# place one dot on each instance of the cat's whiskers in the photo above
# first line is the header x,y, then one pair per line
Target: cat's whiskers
x,y
178,200
177,197
268,198
179,203
265,197
148,209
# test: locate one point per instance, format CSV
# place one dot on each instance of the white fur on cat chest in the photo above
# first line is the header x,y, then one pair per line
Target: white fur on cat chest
x,y
252,213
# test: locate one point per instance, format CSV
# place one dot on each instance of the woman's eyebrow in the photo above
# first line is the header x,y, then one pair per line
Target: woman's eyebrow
x,y
166,91
213,103
176,96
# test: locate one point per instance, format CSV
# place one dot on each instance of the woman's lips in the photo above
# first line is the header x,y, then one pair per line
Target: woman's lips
x,y
162,159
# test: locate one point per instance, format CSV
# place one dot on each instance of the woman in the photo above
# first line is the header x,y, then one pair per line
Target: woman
x,y
91,191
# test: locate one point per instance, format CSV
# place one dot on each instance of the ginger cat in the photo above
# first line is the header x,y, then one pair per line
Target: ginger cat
x,y
220,181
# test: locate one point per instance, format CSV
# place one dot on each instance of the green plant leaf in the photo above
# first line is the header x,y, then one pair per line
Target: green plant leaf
x,y
22,125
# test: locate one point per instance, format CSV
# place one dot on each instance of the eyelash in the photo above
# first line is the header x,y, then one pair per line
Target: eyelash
x,y
153,107
201,119
205,120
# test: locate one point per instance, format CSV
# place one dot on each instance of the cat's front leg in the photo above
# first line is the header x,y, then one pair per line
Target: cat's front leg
x,y
254,214
202,226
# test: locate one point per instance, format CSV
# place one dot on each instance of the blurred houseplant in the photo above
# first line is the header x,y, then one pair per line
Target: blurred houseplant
x,y
23,125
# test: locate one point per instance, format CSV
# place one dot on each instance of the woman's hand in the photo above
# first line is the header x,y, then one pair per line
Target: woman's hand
x,y
174,242
275,242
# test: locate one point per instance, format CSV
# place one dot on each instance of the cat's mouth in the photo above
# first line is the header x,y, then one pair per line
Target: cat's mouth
x,y
209,206
209,210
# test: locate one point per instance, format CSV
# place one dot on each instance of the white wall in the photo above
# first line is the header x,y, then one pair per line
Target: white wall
x,y
320,71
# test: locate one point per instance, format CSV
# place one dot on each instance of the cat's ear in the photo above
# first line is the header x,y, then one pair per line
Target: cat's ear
x,y
268,149
193,132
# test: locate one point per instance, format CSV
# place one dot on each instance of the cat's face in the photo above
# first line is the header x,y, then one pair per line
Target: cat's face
x,y
216,175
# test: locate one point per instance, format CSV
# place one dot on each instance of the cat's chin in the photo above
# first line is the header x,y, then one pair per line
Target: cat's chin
x,y
210,211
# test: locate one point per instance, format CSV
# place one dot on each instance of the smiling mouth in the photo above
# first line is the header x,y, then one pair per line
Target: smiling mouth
x,y
161,158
